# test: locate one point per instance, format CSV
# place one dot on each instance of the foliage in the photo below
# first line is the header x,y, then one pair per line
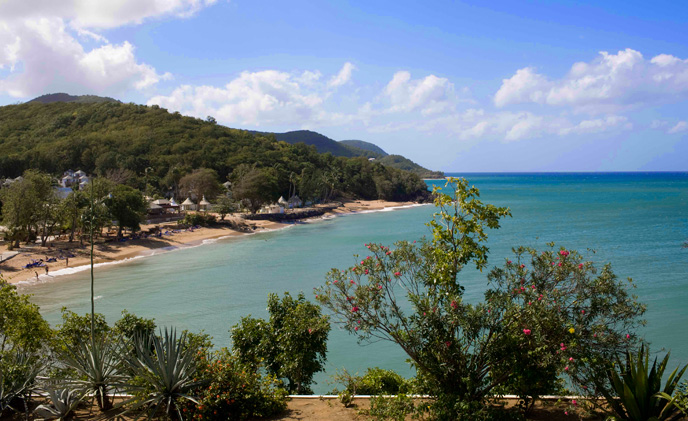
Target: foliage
x,y
166,371
254,186
375,381
225,205
21,324
233,390
30,208
200,183
96,360
293,342
391,407
102,138
639,389
131,326
198,218
563,317
463,352
62,403
18,371
75,328
127,206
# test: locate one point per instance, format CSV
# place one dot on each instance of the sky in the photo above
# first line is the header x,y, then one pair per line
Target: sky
x,y
455,86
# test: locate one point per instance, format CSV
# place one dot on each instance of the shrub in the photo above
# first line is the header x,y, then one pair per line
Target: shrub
x,y
464,352
233,390
198,218
293,343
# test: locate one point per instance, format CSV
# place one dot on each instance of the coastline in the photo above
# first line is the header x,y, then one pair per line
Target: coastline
x,y
13,271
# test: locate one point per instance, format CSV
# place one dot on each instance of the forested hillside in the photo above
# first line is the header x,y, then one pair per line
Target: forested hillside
x,y
150,148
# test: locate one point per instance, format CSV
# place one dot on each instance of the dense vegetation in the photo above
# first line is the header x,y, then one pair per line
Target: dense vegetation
x,y
151,149
356,148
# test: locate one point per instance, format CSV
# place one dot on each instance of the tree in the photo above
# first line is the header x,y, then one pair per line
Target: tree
x,y
225,205
255,186
293,342
463,352
21,325
201,182
127,206
73,207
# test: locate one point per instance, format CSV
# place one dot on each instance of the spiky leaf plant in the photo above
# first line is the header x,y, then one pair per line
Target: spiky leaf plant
x,y
639,389
165,368
18,371
96,360
62,403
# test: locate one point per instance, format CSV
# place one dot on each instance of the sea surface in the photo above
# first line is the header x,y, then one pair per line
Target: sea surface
x,y
636,221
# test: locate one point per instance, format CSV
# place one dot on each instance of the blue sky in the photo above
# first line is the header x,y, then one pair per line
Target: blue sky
x,y
456,86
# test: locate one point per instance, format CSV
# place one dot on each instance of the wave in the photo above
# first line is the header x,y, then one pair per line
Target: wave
x,y
390,208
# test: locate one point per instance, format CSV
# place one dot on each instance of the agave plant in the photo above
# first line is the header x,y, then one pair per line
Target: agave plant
x,y
165,368
18,373
639,389
96,360
63,402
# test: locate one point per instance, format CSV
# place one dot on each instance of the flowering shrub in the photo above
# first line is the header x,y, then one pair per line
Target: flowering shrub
x,y
534,318
234,391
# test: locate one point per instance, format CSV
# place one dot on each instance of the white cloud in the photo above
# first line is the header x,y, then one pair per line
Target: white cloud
x,y
343,76
255,99
99,14
42,56
612,82
430,95
681,126
598,125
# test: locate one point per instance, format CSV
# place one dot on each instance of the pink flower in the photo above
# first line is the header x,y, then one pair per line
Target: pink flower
x,y
522,266
566,368
564,253
529,303
368,258
448,344
388,253
362,261
570,358
580,266
594,335
356,328
566,412
379,287
628,336
335,281
365,271
453,304
354,309
397,274
526,331
310,330
574,402
352,282
532,286
559,264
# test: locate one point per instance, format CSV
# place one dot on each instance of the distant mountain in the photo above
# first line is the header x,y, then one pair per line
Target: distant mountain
x,y
321,142
366,146
62,97
351,148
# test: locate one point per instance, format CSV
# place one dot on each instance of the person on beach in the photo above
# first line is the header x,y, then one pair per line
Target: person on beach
x,y
67,261
46,269
36,272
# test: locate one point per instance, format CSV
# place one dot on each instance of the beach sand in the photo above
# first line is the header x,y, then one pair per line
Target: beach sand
x,y
12,270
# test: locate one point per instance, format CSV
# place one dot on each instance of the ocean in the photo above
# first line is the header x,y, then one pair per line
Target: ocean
x,y
636,221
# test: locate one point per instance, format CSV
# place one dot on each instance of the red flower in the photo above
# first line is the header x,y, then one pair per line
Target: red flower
x,y
526,331
354,309
366,271
453,304
448,344
397,274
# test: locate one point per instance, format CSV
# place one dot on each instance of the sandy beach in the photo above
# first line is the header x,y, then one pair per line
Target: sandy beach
x,y
13,269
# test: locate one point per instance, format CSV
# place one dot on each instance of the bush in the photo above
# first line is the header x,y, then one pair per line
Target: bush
x,y
198,219
375,381
234,391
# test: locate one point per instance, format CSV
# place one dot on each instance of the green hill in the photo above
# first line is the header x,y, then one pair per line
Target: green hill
x,y
150,145
352,148
321,142
365,146
62,97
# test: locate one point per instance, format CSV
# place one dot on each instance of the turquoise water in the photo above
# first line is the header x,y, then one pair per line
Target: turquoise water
x,y
636,221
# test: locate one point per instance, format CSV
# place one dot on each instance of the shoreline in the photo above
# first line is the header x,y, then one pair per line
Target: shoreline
x,y
111,253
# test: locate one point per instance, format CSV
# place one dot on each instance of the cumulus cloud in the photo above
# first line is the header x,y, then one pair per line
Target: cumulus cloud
x,y
256,99
611,82
99,14
41,51
430,95
681,126
598,125
42,56
343,76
